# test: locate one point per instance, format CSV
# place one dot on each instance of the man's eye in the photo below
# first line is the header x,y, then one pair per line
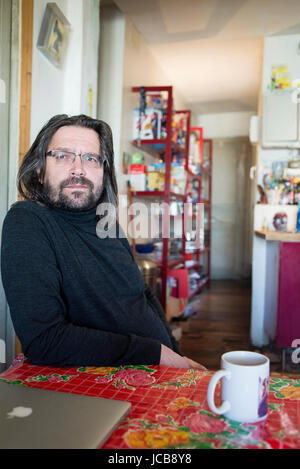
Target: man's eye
x,y
91,159
61,156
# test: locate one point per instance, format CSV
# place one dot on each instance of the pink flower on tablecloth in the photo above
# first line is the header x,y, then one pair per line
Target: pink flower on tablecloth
x,y
134,377
122,374
139,378
200,423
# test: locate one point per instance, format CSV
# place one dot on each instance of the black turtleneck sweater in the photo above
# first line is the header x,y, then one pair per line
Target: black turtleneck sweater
x,y
76,299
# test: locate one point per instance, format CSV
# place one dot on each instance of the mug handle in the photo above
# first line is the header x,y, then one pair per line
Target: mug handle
x,y
225,406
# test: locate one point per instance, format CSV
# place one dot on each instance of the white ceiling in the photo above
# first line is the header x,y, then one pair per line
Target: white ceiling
x,y
212,49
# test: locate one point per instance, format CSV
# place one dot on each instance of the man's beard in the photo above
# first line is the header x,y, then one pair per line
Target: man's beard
x,y
78,201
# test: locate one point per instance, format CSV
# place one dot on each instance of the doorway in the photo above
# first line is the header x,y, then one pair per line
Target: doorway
x,y
231,209
10,43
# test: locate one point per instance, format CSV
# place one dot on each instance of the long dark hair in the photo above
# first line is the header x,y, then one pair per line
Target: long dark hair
x,y
28,180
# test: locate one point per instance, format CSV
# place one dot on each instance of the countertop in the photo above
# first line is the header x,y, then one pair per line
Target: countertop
x,y
278,236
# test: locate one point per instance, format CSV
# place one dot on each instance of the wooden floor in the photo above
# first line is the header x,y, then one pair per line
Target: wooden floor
x,y
222,323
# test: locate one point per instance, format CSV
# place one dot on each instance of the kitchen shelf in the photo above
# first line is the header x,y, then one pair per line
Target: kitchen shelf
x,y
158,144
157,194
165,149
201,284
204,145
193,175
172,262
205,201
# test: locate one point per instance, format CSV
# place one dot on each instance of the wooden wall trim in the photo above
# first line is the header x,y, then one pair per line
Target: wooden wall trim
x,y
26,75
25,91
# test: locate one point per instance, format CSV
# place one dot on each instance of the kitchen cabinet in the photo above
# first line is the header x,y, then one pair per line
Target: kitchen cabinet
x,y
280,124
288,306
275,312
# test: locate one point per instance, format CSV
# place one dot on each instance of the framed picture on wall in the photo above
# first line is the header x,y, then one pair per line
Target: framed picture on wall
x,y
53,34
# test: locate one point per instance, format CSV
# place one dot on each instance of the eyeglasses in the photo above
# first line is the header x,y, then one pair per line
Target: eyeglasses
x,y
66,158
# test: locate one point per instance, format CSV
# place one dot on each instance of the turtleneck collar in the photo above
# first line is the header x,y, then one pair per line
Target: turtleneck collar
x,y
86,217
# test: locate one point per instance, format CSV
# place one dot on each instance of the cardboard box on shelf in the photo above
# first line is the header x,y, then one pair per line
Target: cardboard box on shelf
x,y
138,177
178,179
156,177
175,307
147,126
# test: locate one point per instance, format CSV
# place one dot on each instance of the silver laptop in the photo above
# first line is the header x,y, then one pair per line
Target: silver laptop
x,y
40,419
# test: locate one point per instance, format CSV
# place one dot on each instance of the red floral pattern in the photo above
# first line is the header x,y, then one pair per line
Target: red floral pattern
x,y
135,378
199,423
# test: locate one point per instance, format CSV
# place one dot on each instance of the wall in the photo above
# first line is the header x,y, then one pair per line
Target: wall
x,y
231,192
280,50
66,89
140,69
224,125
90,57
110,92
125,61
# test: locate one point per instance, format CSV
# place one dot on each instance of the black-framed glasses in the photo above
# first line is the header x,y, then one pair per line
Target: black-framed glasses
x,y
66,158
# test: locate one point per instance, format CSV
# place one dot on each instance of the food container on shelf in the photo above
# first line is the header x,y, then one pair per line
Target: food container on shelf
x,y
147,125
149,271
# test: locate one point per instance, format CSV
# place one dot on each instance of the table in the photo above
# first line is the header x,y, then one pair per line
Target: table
x,y
169,407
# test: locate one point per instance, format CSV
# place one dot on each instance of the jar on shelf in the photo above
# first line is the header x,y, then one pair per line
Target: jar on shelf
x,y
156,177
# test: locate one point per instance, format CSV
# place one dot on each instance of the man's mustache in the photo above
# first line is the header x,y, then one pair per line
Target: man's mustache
x,y
77,180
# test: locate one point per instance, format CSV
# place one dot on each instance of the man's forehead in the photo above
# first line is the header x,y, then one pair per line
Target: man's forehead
x,y
75,135
75,130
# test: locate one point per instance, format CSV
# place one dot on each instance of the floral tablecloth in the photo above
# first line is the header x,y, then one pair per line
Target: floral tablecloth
x,y
169,407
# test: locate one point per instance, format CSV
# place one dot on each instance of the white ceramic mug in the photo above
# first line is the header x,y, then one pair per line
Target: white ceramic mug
x,y
244,386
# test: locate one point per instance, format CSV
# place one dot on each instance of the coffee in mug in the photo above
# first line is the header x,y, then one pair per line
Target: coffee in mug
x,y
244,385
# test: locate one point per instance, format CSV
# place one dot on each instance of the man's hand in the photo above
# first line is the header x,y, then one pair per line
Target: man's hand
x,y
193,364
170,358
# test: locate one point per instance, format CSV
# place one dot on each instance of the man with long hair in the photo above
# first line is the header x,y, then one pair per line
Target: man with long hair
x,y
76,298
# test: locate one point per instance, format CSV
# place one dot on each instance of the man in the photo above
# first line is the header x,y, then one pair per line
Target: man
x,y
76,298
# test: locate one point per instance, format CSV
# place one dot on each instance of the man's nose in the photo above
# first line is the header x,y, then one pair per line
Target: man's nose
x,y
77,167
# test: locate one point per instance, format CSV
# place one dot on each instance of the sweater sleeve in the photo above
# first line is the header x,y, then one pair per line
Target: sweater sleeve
x,y
32,282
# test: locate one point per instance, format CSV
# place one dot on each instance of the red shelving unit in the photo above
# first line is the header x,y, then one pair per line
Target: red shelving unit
x,y
204,181
165,148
